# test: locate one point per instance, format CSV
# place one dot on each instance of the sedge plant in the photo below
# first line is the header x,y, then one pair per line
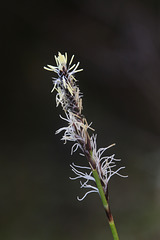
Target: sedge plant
x,y
95,176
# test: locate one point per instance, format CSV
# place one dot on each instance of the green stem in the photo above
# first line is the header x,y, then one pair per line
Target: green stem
x,y
114,230
105,205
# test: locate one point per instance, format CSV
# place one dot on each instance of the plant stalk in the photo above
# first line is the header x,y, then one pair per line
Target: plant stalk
x,y
105,205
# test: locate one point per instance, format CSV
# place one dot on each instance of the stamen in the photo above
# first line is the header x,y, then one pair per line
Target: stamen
x,y
71,60
72,67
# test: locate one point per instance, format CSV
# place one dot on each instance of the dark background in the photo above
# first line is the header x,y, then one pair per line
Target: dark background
x,y
118,45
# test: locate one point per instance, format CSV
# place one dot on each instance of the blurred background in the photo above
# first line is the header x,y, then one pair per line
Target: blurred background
x,y
118,46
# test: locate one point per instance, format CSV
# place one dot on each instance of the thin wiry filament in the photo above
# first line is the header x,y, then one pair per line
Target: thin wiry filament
x,y
84,176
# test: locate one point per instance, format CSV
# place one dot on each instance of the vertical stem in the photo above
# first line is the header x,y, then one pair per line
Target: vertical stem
x,y
114,230
105,205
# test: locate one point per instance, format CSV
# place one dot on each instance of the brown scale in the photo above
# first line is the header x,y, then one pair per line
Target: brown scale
x,y
72,104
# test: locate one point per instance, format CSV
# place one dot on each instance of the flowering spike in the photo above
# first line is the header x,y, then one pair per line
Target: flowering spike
x,y
70,98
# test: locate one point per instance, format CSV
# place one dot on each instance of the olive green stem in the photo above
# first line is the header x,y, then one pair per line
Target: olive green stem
x,y
114,230
105,205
